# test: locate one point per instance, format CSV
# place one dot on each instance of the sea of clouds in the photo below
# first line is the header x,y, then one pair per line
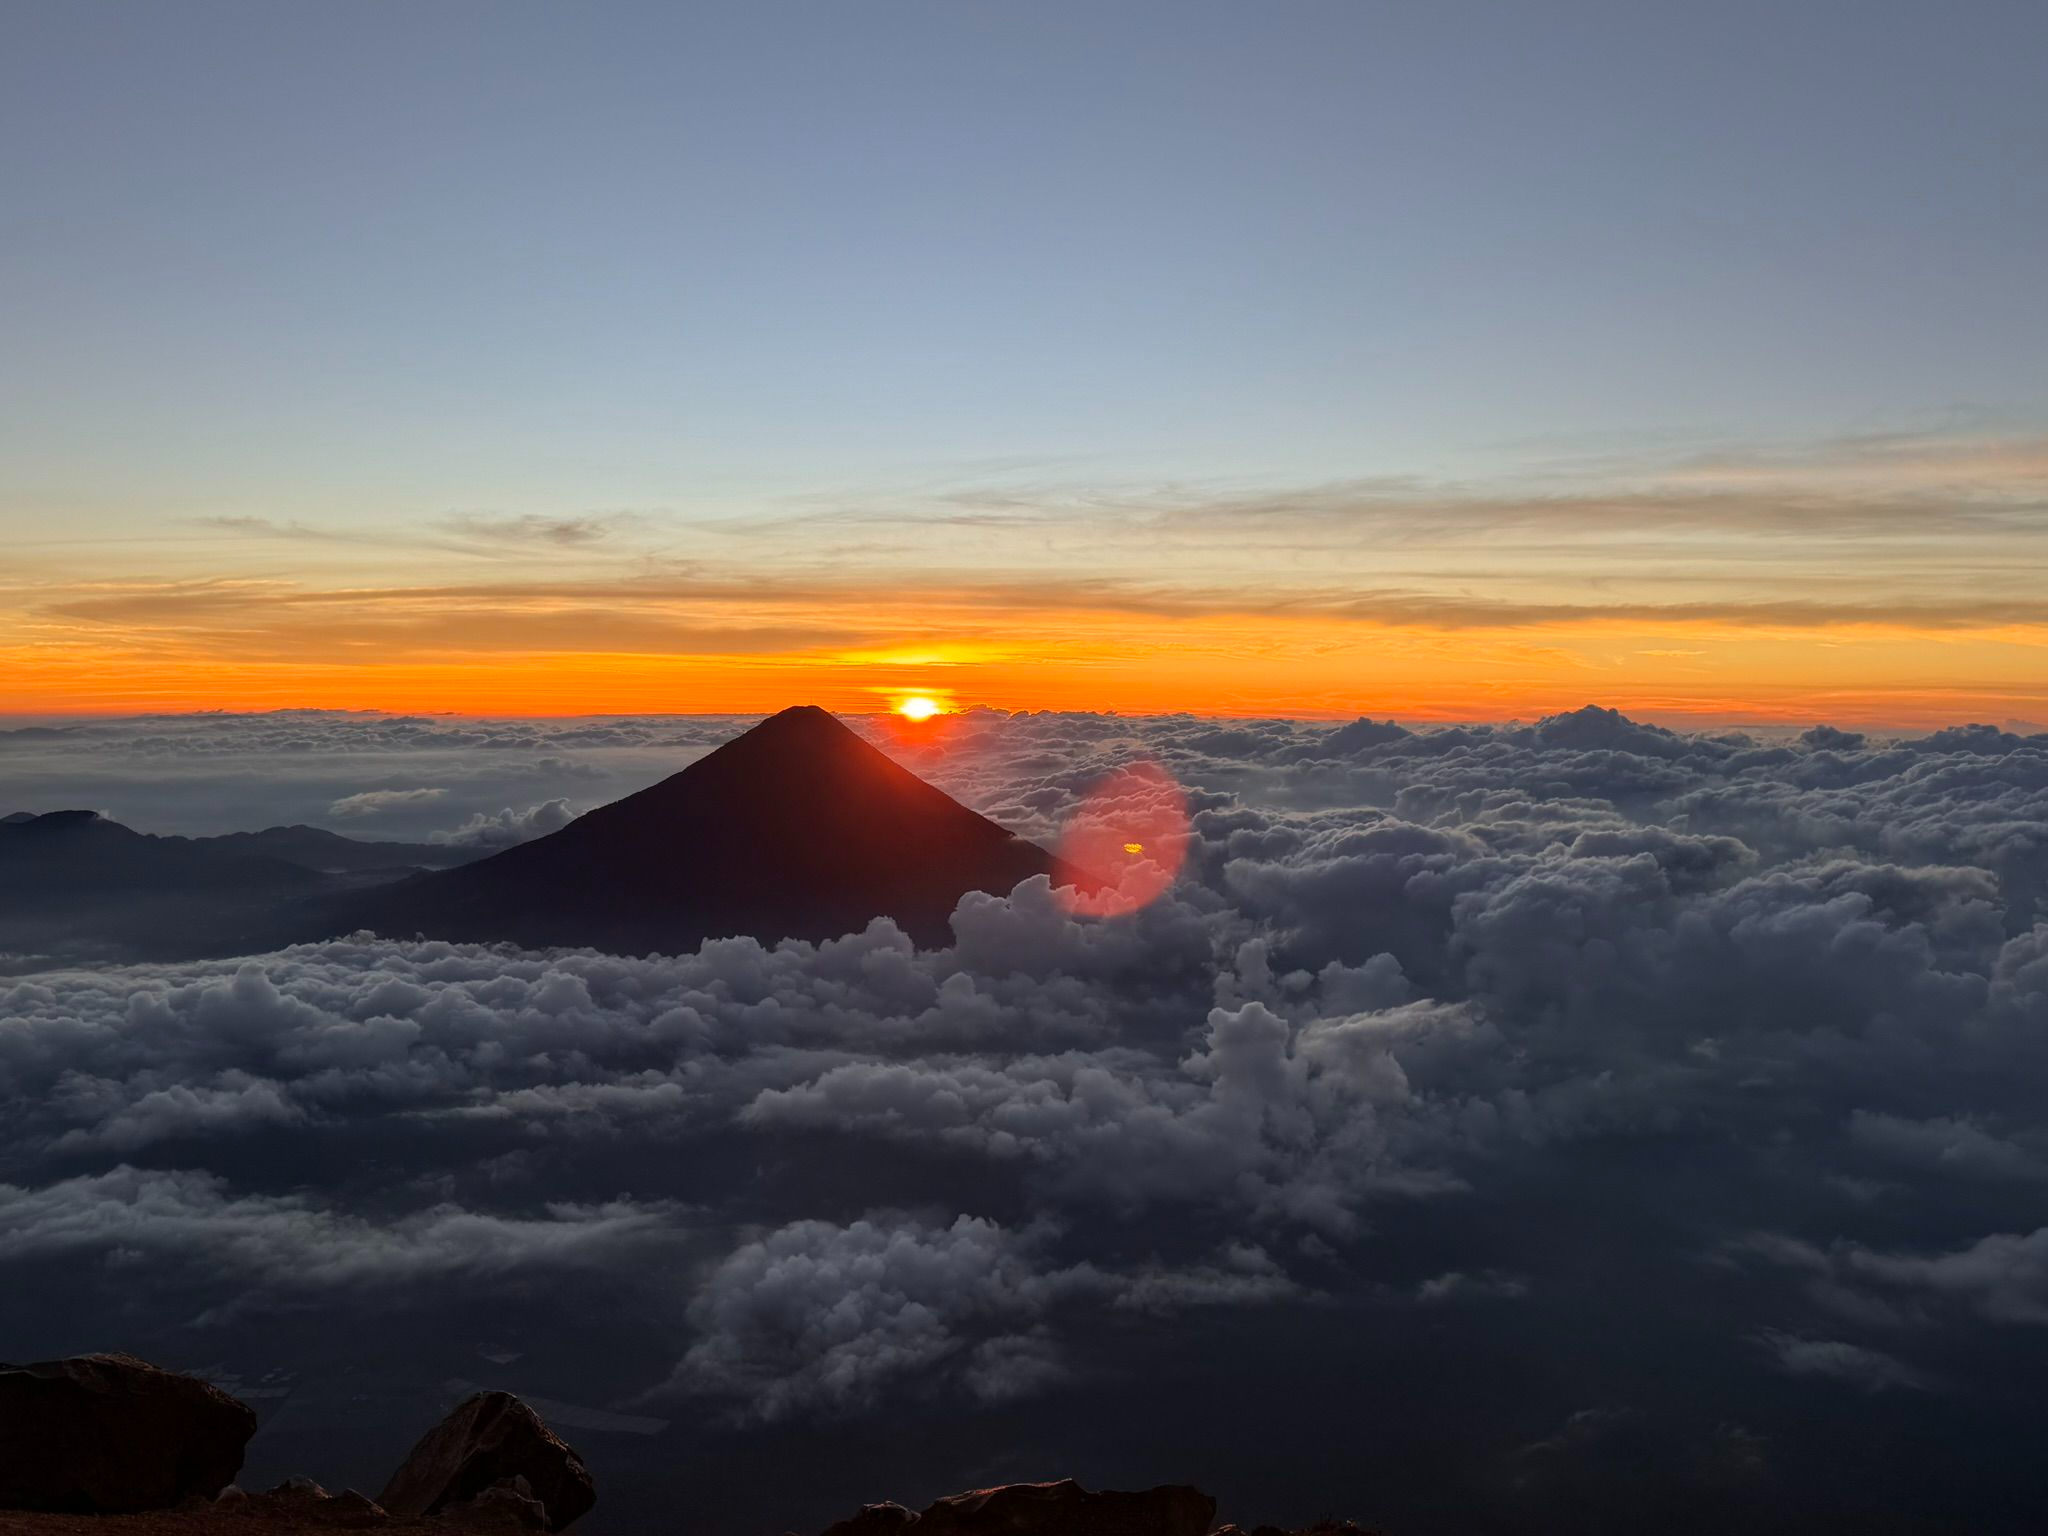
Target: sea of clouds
x,y
1493,1129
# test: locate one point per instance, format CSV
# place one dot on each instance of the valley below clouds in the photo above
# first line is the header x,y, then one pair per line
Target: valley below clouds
x,y
1527,1127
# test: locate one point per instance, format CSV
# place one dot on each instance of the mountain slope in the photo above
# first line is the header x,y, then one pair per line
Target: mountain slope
x,y
78,887
86,848
82,851
796,829
331,852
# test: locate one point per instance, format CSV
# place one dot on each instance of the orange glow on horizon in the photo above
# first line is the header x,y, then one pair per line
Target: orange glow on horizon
x,y
1689,674
1877,587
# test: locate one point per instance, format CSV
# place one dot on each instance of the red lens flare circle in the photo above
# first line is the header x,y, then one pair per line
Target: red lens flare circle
x,y
1125,841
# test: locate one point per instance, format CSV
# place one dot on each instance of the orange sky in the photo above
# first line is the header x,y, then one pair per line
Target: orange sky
x,y
1889,584
1706,671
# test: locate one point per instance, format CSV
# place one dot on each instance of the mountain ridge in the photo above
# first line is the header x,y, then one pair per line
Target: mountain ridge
x,y
77,886
308,847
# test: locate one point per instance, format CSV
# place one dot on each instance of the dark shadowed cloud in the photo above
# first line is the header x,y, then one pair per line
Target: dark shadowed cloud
x,y
1600,1094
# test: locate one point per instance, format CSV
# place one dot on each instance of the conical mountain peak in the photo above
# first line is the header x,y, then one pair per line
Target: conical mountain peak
x,y
800,728
797,828
805,720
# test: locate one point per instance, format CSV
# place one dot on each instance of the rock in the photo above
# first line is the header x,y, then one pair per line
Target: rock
x,y
110,1434
300,1499
491,1438
875,1520
509,1503
299,1489
353,1504
1063,1508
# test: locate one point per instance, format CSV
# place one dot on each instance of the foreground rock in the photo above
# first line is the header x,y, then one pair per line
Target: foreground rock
x,y
110,1434
306,1500
1063,1508
494,1454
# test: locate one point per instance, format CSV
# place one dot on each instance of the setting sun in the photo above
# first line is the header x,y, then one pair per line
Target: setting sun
x,y
919,707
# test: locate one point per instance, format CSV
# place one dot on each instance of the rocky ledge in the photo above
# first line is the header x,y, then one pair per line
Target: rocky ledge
x,y
1066,1508
107,1443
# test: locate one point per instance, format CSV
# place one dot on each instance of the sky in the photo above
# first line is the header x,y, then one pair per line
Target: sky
x,y
1453,361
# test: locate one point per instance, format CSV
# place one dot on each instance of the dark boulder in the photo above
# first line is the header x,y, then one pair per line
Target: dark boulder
x,y
508,1505
299,1501
110,1434
1063,1508
298,1489
489,1439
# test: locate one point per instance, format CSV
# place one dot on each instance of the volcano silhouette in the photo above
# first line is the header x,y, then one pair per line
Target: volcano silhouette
x,y
796,829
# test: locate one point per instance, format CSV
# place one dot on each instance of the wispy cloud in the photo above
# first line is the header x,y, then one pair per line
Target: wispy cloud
x,y
531,528
1867,565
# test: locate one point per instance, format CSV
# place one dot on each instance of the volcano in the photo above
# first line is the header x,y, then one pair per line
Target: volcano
x,y
798,829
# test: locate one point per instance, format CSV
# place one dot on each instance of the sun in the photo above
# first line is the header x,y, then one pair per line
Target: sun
x,y
919,707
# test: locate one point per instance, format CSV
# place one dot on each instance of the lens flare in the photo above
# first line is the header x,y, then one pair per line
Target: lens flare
x,y
1126,841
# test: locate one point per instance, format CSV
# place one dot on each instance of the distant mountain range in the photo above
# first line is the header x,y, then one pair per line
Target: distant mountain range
x,y
76,885
797,828
174,857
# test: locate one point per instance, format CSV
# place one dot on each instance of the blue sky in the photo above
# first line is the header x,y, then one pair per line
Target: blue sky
x,y
509,254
